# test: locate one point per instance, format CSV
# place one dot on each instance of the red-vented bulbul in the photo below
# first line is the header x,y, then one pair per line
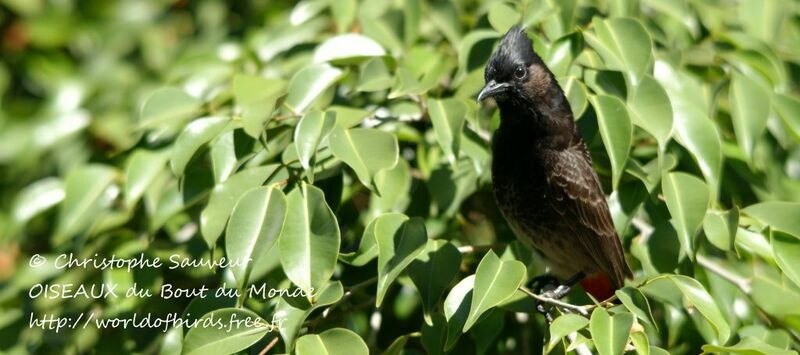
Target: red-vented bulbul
x,y
542,173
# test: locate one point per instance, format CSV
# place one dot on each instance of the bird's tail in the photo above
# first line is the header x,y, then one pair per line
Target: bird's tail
x,y
598,285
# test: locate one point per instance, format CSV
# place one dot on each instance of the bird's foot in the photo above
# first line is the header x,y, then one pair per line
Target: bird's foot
x,y
541,282
557,293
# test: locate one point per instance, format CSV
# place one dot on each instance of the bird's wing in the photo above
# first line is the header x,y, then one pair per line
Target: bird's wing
x,y
577,194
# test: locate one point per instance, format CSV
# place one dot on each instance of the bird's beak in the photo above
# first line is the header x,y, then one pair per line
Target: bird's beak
x,y
492,88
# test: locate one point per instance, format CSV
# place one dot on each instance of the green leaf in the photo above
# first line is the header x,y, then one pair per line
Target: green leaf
x,y
293,312
787,254
311,130
776,295
336,341
641,342
624,44
142,169
87,193
255,96
168,106
344,13
634,300
495,281
308,84
224,196
347,49
374,76
563,326
778,215
700,136
394,185
457,308
310,240
398,246
432,272
195,135
610,333
748,346
720,227
448,117
788,109
466,50
368,247
37,198
749,110
254,227
225,340
224,160
397,346
365,150
697,297
687,199
652,110
502,16
616,132
577,95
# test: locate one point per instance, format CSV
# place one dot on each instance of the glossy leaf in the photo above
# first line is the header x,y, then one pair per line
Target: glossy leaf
x,y
336,341
616,131
167,106
652,110
308,84
495,281
254,227
563,326
224,196
310,240
432,272
720,228
448,117
398,246
346,48
748,110
687,199
205,340
87,191
367,151
778,215
311,130
787,254
502,16
748,345
37,197
610,333
195,135
255,96
624,44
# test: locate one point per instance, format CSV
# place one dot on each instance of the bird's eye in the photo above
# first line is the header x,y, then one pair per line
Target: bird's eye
x,y
519,73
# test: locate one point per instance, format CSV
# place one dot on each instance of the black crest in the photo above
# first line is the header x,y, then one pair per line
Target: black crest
x,y
515,48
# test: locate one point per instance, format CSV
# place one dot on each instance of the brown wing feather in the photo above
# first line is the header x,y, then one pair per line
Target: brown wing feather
x,y
578,195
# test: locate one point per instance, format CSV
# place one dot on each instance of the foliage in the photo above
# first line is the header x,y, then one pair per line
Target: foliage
x,y
338,145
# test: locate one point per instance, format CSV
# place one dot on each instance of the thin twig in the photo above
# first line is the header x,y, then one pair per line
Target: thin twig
x,y
269,346
741,282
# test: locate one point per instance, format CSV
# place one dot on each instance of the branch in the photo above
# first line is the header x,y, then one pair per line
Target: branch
x,y
741,282
269,346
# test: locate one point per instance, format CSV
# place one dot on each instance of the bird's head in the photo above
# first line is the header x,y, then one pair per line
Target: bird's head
x,y
515,73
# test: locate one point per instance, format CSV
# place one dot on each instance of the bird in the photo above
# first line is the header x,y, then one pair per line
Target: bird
x,y
542,175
